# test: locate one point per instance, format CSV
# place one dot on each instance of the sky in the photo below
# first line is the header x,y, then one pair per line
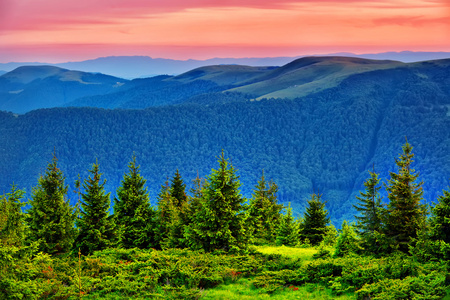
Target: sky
x,y
58,30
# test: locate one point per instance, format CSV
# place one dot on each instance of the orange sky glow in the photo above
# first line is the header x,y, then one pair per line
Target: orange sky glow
x,y
57,31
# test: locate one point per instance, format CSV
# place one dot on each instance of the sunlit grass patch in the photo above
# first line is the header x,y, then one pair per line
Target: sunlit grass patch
x,y
305,254
243,289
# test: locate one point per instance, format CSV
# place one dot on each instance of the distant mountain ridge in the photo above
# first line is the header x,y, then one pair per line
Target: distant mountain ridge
x,y
34,87
314,124
131,67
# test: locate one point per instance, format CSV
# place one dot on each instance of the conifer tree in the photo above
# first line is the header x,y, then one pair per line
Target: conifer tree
x,y
440,218
347,241
51,217
315,222
133,213
287,230
165,216
180,216
178,190
264,211
12,219
219,223
369,222
96,227
405,213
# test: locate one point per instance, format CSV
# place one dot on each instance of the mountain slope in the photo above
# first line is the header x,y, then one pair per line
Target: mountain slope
x,y
205,85
311,74
33,87
323,142
296,79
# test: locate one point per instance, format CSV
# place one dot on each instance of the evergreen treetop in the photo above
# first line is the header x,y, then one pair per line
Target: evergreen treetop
x,y
219,223
371,212
264,211
12,219
178,190
440,218
287,230
315,220
132,210
51,217
96,227
405,213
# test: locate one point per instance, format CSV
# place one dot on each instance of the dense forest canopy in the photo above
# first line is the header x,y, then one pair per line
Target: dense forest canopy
x,y
325,141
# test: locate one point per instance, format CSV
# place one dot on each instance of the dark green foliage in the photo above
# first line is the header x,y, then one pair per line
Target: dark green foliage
x,y
166,215
178,190
315,221
133,213
51,217
440,218
405,213
219,221
172,214
264,211
347,241
180,213
96,229
288,228
371,213
12,219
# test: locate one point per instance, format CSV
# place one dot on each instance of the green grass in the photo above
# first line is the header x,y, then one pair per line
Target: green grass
x,y
305,254
244,290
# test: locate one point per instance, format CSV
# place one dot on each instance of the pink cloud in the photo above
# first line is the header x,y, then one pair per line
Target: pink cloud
x,y
173,28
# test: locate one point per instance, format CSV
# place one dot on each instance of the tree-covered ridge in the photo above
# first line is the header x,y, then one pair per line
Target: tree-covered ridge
x,y
325,141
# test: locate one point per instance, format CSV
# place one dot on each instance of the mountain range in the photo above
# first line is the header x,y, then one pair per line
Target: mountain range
x,y
316,124
131,67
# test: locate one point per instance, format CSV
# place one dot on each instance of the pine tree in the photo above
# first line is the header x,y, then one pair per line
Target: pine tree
x,y
96,227
315,222
347,241
287,230
405,214
178,190
369,222
440,219
133,213
219,223
12,219
51,217
180,217
264,211
165,216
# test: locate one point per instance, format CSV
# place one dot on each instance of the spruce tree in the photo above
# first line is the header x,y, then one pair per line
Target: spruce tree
x,y
96,227
405,213
347,241
369,222
166,215
264,211
12,219
315,222
287,230
440,218
178,190
51,217
133,213
219,223
180,217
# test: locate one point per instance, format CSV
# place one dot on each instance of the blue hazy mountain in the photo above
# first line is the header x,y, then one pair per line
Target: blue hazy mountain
x,y
131,67
324,140
32,87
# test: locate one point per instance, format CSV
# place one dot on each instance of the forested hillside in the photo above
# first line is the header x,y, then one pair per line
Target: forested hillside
x,y
323,142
